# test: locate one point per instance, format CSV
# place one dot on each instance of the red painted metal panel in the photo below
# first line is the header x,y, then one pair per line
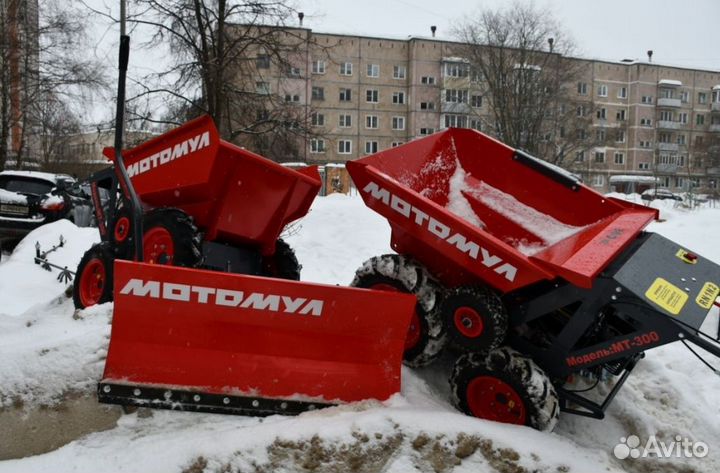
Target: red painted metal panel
x,y
209,331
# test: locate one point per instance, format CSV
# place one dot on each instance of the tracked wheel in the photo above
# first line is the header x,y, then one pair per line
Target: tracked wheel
x,y
426,335
94,277
475,318
505,386
283,264
170,238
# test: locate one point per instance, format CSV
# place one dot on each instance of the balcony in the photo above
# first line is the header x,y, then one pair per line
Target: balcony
x,y
714,127
715,107
668,125
668,146
455,107
713,171
666,102
667,168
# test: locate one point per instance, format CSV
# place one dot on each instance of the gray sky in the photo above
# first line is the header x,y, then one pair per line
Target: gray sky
x,y
679,33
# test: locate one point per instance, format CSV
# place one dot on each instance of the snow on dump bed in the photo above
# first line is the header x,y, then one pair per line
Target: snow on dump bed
x,y
548,228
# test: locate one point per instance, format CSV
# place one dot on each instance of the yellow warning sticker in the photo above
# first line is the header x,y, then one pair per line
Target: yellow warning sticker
x,y
666,295
707,295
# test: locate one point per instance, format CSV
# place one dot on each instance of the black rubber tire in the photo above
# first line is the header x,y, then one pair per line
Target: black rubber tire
x,y
409,276
487,305
283,264
533,386
184,234
104,252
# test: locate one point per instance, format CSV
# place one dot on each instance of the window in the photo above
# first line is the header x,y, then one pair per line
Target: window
x,y
598,180
679,181
699,119
455,121
427,105
702,97
262,88
262,61
683,117
427,80
581,134
318,93
684,96
580,156
602,90
292,71
645,144
476,101
345,121
318,67
344,147
646,99
371,147
698,140
582,88
399,72
371,96
398,123
395,144
317,119
346,69
619,158
476,124
457,70
317,145
602,113
581,111
262,115
373,70
643,166
620,115
371,121
427,131
600,135
456,96
398,98
664,137
292,98
622,93
345,95
646,122
620,136
681,140
599,156
666,115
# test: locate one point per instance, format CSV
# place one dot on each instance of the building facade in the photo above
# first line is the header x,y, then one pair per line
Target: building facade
x,y
366,94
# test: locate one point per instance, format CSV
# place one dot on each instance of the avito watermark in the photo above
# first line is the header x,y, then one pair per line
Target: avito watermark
x,y
679,447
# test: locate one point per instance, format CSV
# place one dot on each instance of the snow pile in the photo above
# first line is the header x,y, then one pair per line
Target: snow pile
x,y
26,281
7,197
46,351
457,203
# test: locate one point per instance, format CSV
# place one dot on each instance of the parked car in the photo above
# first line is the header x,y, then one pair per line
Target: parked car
x,y
29,199
652,194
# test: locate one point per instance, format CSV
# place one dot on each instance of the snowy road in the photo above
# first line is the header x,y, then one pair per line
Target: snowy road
x,y
45,353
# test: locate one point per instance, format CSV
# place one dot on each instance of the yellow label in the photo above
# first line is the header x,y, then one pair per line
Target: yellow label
x,y
666,295
707,295
682,254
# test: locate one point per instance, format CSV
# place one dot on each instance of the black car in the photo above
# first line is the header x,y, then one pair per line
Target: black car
x,y
29,199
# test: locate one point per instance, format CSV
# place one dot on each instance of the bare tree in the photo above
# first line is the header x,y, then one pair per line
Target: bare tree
x,y
521,61
40,43
229,59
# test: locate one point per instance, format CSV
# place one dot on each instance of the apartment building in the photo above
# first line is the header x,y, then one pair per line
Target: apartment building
x,y
366,94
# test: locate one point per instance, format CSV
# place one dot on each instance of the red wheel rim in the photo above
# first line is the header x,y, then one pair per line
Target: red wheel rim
x,y
468,322
158,247
92,282
415,329
491,398
121,229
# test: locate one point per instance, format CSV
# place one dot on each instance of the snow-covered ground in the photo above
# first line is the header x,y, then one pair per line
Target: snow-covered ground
x,y
46,351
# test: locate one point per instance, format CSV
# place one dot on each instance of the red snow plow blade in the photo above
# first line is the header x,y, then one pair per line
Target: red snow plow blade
x,y
207,341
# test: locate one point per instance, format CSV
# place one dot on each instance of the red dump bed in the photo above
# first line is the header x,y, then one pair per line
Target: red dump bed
x,y
234,195
469,207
